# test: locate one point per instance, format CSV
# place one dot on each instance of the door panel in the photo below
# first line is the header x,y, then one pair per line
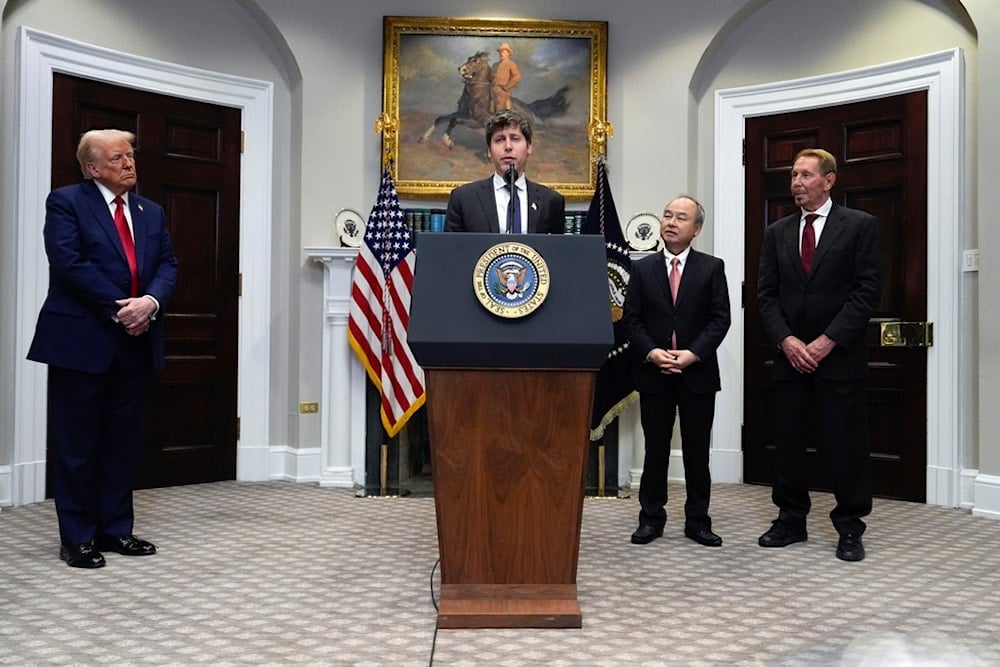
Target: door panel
x,y
881,148
188,161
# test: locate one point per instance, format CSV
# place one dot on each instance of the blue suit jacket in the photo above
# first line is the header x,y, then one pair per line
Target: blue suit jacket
x,y
88,271
473,208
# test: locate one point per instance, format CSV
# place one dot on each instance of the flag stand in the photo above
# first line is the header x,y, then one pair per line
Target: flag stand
x,y
384,490
602,494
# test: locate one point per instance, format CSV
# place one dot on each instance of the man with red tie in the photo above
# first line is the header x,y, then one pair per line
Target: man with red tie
x,y
100,330
676,313
818,286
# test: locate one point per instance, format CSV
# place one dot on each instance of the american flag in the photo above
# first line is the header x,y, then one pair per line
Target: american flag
x,y
380,309
614,391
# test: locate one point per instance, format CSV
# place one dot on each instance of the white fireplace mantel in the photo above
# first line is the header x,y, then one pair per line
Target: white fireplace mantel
x,y
342,410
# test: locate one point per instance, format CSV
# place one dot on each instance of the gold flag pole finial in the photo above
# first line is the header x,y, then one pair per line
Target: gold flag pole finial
x,y
388,128
600,131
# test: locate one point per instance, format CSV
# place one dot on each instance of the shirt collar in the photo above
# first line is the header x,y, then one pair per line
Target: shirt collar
x,y
108,195
683,256
499,182
823,211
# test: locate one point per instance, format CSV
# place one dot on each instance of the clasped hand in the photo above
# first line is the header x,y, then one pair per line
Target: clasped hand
x,y
134,314
805,358
671,361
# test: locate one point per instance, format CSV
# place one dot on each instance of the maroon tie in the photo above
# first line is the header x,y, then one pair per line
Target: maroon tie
x,y
126,237
808,243
675,283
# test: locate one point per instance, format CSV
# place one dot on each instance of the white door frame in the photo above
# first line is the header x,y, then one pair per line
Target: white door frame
x,y
39,56
942,76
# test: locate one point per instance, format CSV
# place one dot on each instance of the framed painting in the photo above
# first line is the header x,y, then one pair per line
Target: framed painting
x,y
442,78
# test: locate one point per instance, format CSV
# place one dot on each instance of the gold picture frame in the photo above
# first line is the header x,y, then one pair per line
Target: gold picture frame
x,y
434,71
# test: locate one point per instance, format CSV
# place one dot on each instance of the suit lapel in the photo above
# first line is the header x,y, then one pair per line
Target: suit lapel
x,y
662,280
488,202
793,247
102,214
138,213
688,277
532,194
832,229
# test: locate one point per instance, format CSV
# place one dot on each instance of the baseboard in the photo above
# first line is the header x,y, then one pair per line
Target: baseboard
x,y
675,471
967,488
296,465
6,484
987,497
727,465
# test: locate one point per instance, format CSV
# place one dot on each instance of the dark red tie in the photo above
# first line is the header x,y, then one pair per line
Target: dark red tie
x,y
675,283
808,243
126,236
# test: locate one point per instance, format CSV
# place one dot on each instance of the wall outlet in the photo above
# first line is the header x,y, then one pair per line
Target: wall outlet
x,y
970,260
308,408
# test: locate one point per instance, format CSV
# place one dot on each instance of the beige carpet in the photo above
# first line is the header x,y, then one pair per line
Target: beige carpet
x,y
283,573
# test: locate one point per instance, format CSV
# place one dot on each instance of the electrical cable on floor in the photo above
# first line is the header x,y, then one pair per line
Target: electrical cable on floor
x,y
434,601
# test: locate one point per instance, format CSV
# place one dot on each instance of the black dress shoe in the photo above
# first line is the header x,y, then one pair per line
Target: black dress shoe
x,y
703,536
130,545
850,548
646,534
782,534
81,555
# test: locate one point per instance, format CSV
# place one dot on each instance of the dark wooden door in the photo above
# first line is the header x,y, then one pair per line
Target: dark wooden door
x,y
881,151
187,160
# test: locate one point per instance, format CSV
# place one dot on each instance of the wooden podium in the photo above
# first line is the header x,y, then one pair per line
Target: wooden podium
x,y
509,404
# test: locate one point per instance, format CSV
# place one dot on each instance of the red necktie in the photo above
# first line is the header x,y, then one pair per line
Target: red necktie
x,y
126,236
808,243
675,283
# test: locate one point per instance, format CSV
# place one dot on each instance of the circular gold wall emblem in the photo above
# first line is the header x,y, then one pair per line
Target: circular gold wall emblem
x,y
511,280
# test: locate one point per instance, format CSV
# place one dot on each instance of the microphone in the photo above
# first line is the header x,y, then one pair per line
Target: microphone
x,y
510,176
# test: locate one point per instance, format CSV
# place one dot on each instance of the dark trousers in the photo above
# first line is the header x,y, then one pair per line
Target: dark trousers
x,y
95,425
831,415
697,411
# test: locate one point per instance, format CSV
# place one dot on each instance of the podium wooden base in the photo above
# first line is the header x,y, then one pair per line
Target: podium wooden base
x,y
509,606
509,450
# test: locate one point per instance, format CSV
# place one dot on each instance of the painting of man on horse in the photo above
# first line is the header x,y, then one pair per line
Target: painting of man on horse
x,y
446,93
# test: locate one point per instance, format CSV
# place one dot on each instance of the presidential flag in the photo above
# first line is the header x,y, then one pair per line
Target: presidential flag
x,y
380,310
614,391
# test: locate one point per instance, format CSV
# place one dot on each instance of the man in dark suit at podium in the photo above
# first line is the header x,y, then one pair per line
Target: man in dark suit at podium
x,y
485,206
676,314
